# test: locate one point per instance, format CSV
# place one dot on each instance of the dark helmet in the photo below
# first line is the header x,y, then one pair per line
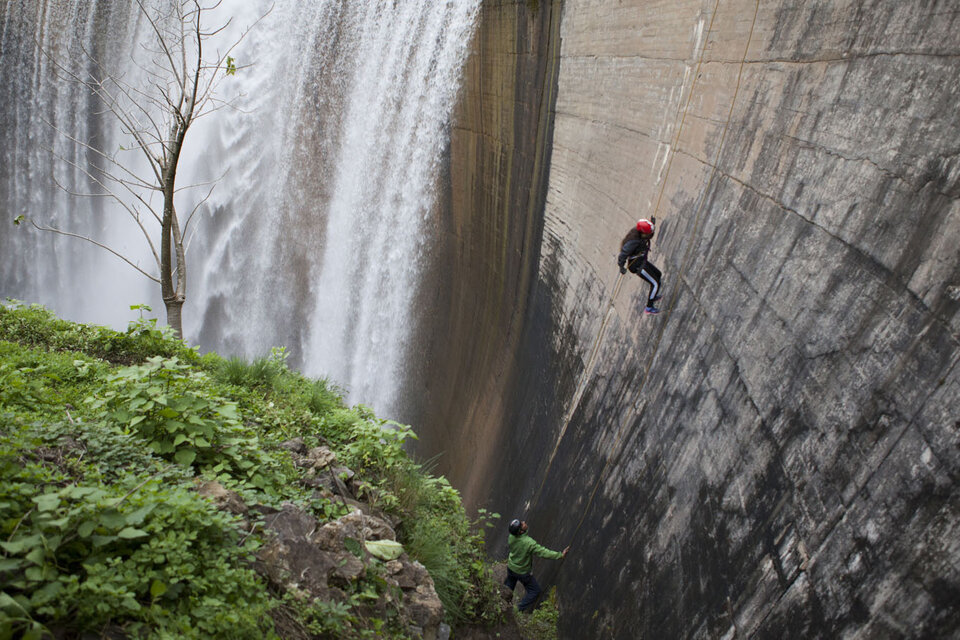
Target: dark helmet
x,y
644,226
514,527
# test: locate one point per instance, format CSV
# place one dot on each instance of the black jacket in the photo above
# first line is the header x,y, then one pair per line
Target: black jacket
x,y
633,251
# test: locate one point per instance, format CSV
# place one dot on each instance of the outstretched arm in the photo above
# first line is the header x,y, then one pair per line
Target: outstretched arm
x,y
543,552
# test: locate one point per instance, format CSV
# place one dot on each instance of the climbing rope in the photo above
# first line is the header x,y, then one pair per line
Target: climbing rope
x,y
588,370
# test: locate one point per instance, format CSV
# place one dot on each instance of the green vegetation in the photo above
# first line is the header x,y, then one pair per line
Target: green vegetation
x,y
104,436
543,622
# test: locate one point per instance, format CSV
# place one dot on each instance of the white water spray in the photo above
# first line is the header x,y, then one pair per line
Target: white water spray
x,y
316,237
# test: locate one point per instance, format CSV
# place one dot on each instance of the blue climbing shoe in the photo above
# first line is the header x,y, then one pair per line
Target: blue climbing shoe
x,y
651,310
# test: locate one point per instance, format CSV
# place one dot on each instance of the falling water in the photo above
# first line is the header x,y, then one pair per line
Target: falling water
x,y
322,220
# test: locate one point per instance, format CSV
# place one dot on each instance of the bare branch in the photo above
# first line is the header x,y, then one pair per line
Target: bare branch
x,y
110,194
210,34
214,77
161,41
186,225
197,185
99,152
98,86
107,191
186,233
92,241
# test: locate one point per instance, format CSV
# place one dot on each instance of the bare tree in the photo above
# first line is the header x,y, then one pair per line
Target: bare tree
x,y
176,85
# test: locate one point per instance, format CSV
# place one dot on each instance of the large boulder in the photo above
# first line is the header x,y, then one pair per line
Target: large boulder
x,y
322,560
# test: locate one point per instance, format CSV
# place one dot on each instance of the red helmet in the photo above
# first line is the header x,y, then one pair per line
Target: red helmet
x,y
644,226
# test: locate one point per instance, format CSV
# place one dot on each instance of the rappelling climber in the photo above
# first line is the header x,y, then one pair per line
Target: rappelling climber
x,y
520,562
633,255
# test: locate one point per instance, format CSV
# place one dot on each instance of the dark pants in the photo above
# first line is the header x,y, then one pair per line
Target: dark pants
x,y
529,584
652,275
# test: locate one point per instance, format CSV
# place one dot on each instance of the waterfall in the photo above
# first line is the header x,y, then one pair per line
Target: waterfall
x,y
321,222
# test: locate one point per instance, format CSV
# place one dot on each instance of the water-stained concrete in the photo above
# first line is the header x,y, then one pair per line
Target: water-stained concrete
x,y
776,454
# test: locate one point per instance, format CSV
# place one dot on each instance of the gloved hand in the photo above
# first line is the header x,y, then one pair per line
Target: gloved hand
x,y
623,269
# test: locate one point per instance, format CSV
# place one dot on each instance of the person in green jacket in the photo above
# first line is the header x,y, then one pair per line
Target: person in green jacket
x,y
520,562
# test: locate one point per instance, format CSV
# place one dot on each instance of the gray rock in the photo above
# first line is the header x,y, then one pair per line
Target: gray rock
x,y
423,607
290,523
304,557
294,445
320,458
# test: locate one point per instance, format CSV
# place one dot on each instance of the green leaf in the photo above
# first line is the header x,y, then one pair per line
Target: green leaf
x,y
129,533
18,545
229,410
47,502
138,516
99,541
384,549
157,589
186,456
36,555
10,605
113,519
46,593
174,425
10,564
180,439
86,528
76,492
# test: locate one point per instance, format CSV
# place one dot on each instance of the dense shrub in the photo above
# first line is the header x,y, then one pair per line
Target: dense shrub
x,y
87,551
101,529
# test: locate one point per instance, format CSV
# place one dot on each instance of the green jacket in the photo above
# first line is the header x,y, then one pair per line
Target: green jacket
x,y
522,549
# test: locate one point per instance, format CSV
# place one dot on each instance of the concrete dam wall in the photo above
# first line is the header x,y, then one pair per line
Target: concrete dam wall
x,y
776,453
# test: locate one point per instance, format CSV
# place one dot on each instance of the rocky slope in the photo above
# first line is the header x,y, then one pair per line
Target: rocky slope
x,y
776,453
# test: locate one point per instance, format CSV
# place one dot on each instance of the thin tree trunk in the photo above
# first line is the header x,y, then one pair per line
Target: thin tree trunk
x,y
172,298
173,315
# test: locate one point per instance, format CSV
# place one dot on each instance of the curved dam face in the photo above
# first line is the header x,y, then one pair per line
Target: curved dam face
x,y
776,453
